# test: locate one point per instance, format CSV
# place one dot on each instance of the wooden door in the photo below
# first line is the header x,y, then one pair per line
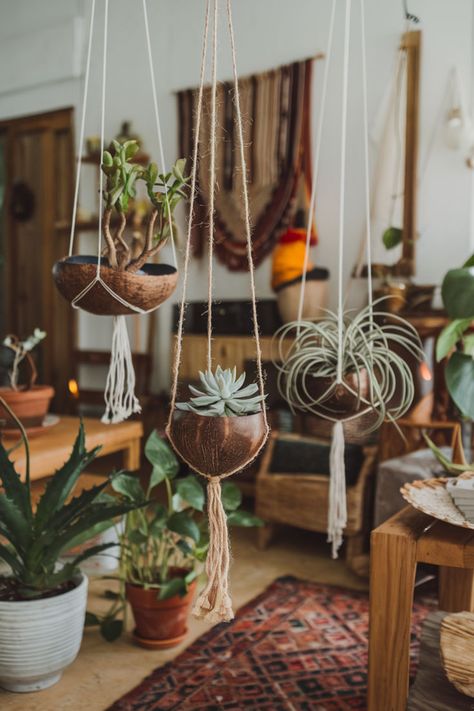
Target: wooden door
x,y
38,165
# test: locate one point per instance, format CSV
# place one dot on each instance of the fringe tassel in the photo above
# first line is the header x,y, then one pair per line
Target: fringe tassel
x,y
337,515
214,603
120,399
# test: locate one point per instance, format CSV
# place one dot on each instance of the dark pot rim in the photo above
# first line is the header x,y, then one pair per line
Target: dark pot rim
x,y
149,269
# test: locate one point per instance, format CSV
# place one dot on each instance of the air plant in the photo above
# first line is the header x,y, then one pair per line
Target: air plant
x,y
223,394
373,376
18,351
164,191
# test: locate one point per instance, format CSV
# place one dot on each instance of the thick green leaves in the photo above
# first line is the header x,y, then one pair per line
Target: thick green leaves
x,y
191,490
460,382
128,485
231,496
161,456
458,293
450,335
392,237
183,524
175,586
14,488
111,629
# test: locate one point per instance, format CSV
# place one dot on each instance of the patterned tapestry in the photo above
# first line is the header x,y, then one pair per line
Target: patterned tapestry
x,y
276,107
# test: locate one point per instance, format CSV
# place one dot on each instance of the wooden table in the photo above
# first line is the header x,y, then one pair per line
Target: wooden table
x,y
50,449
397,546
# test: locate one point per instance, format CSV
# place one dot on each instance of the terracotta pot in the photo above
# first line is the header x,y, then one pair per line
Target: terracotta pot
x,y
217,446
394,295
341,402
146,289
30,406
160,624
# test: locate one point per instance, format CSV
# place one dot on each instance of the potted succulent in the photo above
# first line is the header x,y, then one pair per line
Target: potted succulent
x,y
375,379
43,602
136,281
222,428
162,547
18,374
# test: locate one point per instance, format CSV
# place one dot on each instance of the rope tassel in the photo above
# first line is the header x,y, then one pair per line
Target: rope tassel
x,y
214,603
337,515
120,398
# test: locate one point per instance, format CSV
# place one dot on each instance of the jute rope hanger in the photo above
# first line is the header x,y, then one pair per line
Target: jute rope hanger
x,y
214,602
119,394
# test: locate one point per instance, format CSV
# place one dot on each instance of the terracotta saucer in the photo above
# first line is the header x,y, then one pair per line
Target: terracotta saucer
x,y
158,643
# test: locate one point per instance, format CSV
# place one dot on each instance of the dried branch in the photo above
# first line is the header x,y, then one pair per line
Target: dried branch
x,y
149,248
123,249
111,251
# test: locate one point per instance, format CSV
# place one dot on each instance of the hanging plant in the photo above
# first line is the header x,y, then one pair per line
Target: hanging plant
x,y
373,377
138,283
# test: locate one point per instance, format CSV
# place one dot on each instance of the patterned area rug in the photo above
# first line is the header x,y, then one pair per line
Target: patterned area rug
x,y
298,646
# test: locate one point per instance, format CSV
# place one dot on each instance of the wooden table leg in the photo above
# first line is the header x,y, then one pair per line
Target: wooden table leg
x,y
456,589
131,455
392,581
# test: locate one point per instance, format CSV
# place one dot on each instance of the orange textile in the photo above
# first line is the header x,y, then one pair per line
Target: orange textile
x,y
288,256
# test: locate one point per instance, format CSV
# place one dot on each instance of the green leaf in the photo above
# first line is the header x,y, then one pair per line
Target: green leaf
x,y
137,538
111,629
449,336
392,237
14,488
191,490
444,461
243,518
458,293
152,173
160,454
16,525
158,474
460,382
11,560
183,524
89,534
469,262
91,620
179,168
231,496
468,344
128,485
107,159
131,149
175,586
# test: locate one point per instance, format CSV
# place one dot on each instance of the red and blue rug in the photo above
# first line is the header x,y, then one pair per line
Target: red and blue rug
x,y
299,646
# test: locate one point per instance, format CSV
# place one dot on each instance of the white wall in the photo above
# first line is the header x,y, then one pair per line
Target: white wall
x,y
269,32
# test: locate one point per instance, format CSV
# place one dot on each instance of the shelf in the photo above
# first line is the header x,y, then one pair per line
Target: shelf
x,y
94,159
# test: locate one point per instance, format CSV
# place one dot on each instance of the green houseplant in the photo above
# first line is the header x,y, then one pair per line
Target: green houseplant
x,y
42,601
162,547
135,280
18,375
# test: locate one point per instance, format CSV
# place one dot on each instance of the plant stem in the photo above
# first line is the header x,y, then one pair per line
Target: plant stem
x,y
148,250
27,449
111,251
124,255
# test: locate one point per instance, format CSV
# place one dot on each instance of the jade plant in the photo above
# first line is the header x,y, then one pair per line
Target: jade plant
x,y
164,190
165,539
33,540
223,394
456,341
13,352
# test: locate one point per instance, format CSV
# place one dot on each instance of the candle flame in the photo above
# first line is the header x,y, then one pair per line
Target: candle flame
x,y
73,388
425,372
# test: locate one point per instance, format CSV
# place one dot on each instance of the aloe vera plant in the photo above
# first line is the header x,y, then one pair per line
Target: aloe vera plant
x,y
33,540
223,394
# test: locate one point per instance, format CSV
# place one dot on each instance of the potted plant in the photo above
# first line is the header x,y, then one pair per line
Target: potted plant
x,y
18,374
43,602
222,428
456,342
135,280
162,547
373,378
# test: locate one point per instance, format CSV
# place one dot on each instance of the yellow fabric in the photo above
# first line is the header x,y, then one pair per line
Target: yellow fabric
x,y
288,261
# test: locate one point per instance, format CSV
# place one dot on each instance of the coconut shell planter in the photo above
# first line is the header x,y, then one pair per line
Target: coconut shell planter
x,y
145,289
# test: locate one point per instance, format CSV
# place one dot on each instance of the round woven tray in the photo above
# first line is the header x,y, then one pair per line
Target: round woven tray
x,y
431,497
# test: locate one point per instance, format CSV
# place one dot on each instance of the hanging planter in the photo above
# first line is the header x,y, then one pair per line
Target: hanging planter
x,y
223,428
146,289
115,282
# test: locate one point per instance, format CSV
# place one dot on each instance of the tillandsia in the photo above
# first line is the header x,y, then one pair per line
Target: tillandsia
x,y
372,350
18,351
223,394
165,191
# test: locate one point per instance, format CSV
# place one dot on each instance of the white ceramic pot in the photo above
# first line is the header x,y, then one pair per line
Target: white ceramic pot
x,y
40,638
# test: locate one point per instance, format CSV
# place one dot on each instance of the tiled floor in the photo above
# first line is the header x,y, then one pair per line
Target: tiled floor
x,y
103,672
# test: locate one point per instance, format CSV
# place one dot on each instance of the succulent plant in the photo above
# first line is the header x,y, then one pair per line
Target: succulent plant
x,y
223,394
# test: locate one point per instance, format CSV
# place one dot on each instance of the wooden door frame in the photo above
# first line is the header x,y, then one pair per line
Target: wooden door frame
x,y
54,248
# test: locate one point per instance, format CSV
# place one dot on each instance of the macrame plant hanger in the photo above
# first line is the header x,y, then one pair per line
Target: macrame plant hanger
x,y
216,447
94,287
337,512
